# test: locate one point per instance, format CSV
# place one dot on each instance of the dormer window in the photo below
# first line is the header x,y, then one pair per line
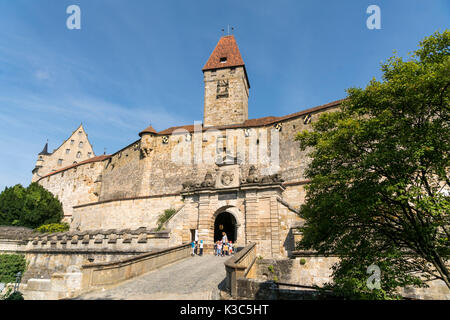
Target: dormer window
x,y
223,60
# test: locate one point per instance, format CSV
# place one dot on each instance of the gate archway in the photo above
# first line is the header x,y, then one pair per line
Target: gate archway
x,y
225,222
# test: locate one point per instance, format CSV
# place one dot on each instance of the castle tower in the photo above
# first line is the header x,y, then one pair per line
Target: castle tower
x,y
226,85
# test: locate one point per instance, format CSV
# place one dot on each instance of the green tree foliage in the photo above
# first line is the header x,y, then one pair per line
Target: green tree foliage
x,y
29,207
10,264
379,191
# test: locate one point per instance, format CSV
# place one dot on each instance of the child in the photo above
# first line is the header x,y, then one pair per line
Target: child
x,y
230,246
219,248
193,248
225,248
201,247
215,247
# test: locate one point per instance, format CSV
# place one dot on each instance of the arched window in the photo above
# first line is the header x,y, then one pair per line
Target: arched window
x,y
78,154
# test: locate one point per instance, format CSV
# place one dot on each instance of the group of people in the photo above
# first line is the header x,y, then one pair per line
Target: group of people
x,y
222,247
197,248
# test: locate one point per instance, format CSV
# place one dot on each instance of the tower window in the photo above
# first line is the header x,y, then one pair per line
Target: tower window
x,y
72,142
223,59
89,154
78,154
81,144
67,151
60,162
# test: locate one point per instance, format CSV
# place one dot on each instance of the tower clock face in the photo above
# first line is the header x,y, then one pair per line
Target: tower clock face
x,y
222,89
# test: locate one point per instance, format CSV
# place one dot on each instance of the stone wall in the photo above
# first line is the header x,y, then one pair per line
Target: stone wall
x,y
231,106
131,213
75,186
312,270
123,173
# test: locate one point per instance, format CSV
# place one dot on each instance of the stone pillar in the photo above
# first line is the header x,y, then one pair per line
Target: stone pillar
x,y
275,226
204,219
251,216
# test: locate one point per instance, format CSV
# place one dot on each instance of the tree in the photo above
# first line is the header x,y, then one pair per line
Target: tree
x,y
11,205
30,207
379,191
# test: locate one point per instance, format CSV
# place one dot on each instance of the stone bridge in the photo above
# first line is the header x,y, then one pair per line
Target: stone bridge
x,y
197,278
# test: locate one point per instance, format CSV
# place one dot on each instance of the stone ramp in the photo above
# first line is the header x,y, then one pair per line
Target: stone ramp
x,y
194,278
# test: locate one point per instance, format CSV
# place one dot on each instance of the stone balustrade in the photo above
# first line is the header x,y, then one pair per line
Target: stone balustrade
x,y
240,266
139,240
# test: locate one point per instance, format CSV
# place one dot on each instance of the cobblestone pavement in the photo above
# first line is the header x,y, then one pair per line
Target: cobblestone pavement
x,y
196,278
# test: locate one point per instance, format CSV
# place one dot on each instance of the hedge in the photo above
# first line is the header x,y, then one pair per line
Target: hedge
x,y
10,264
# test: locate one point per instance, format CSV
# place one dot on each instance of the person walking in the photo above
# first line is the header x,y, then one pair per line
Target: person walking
x,y
193,248
201,247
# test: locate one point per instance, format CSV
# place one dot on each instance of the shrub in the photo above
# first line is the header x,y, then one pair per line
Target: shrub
x,y
271,268
302,261
168,213
10,264
53,227
17,295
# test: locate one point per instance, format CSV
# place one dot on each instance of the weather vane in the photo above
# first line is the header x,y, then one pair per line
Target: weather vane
x,y
228,30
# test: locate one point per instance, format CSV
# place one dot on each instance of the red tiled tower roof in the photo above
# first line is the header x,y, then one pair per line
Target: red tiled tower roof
x,y
225,55
149,129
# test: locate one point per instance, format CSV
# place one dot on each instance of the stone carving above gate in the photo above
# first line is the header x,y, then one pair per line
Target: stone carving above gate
x,y
228,176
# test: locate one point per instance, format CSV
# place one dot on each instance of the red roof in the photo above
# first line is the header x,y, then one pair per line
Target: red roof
x,y
94,159
149,129
225,55
250,123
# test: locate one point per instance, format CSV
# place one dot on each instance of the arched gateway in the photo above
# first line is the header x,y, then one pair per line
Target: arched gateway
x,y
225,222
226,219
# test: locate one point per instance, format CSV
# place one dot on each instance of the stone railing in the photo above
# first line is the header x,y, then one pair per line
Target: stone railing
x,y
139,240
97,276
240,266
101,275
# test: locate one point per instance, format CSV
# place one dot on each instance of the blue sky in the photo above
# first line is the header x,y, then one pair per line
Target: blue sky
x,y
138,62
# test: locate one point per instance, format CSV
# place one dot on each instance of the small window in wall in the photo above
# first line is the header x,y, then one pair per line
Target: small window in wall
x,y
89,154
223,60
72,142
232,70
80,133
80,145
78,154
60,161
40,157
67,151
